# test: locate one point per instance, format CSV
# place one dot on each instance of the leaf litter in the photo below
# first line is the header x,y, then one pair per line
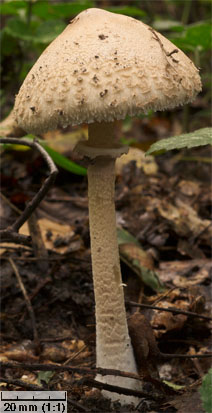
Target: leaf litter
x,y
165,239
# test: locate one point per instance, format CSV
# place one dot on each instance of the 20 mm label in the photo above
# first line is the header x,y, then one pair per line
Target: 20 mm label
x,y
33,401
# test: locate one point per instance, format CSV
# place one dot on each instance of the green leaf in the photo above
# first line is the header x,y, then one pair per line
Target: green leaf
x,y
45,376
48,31
149,277
46,11
35,32
206,392
195,35
128,10
199,137
124,237
67,10
173,385
64,162
43,10
138,260
19,29
12,8
8,45
59,159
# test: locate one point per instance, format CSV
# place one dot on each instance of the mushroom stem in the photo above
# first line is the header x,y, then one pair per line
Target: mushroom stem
x,y
113,345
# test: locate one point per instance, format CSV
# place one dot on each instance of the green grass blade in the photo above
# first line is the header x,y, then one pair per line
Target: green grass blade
x,y
64,162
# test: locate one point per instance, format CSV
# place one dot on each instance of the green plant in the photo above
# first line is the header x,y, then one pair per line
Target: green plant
x,y
187,140
206,392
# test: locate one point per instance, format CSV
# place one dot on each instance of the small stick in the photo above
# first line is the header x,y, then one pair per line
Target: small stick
x,y
39,286
184,356
21,383
71,369
10,204
55,340
10,233
27,301
7,235
170,310
165,295
167,54
78,405
75,355
38,245
120,390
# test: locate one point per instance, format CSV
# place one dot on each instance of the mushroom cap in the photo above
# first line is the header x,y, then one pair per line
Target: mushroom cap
x,y
102,67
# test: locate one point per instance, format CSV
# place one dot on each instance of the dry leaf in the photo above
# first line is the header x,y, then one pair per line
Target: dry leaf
x,y
185,273
165,321
23,351
147,163
63,142
184,219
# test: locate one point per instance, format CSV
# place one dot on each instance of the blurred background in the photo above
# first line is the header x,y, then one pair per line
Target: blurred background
x,y
27,27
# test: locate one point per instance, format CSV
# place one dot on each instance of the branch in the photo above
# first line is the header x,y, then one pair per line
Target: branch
x,y
167,54
121,390
80,370
10,234
27,301
169,309
87,380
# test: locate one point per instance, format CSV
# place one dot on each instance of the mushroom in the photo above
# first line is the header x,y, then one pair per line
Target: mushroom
x,y
102,67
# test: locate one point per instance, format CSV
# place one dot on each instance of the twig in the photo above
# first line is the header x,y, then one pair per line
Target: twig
x,y
164,295
167,54
185,356
71,369
10,234
170,310
87,380
120,390
75,355
10,204
38,245
27,301
7,235
56,339
40,285
79,406
21,383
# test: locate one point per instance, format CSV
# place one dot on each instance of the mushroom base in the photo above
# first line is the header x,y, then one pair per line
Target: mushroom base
x,y
126,383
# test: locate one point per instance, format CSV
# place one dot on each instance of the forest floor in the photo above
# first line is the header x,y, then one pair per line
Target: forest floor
x,y
164,231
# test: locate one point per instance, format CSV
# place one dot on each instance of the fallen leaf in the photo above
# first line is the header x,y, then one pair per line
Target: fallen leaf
x,y
23,351
140,261
188,402
166,321
147,163
189,188
63,142
45,376
185,273
185,219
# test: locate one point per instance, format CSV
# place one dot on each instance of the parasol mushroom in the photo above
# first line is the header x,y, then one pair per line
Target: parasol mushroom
x,y
102,67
